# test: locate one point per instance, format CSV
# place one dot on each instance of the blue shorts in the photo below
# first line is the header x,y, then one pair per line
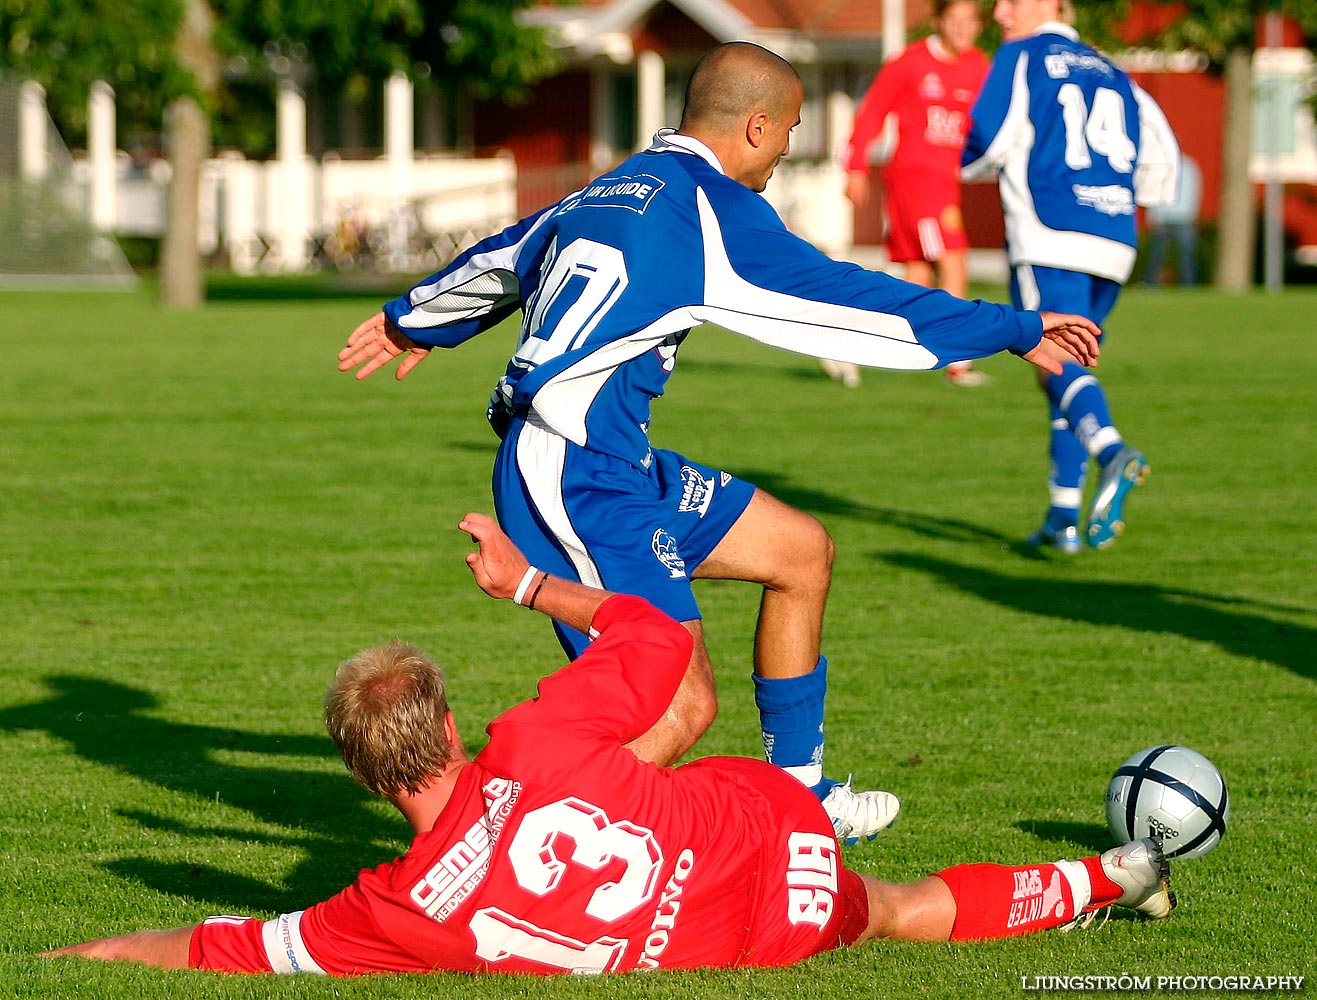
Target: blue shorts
x,y
600,520
1054,289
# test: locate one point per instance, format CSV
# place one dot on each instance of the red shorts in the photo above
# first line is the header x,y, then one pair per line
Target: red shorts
x,y
923,217
804,900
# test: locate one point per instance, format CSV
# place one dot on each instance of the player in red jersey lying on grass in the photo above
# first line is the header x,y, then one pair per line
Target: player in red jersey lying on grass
x,y
557,850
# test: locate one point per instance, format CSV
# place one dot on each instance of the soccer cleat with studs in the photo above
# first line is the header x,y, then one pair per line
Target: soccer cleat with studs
x,y
1106,514
1144,876
859,816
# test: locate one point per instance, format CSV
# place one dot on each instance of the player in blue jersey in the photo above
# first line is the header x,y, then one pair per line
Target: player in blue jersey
x,y
610,281
1077,144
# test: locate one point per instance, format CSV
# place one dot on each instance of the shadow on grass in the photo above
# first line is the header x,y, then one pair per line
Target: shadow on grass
x,y
1236,625
819,502
1090,838
324,815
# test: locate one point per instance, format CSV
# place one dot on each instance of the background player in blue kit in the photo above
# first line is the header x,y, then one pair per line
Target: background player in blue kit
x,y
1077,144
610,281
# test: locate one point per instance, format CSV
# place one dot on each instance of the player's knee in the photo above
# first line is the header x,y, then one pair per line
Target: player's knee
x,y
812,554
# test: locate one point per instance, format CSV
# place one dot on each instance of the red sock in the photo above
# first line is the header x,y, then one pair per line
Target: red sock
x,y
996,901
1104,890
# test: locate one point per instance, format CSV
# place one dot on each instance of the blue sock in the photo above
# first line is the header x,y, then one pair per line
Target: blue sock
x,y
1109,452
1065,484
1078,396
791,717
1060,518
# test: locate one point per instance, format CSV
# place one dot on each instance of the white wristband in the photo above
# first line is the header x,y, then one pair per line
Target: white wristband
x,y
524,585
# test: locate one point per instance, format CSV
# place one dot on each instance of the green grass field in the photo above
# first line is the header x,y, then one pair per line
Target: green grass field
x,y
201,518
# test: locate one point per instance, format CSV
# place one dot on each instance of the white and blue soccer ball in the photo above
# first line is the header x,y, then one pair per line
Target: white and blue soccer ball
x,y
1173,792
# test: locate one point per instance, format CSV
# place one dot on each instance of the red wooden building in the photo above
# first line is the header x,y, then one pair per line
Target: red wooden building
x,y
626,62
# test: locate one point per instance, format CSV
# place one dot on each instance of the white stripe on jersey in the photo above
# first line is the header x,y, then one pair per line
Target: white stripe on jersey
x,y
564,401
805,326
284,946
486,282
541,457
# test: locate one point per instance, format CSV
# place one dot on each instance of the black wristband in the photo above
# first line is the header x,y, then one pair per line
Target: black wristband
x,y
536,593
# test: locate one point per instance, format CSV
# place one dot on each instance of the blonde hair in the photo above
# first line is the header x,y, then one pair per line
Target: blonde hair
x,y
385,712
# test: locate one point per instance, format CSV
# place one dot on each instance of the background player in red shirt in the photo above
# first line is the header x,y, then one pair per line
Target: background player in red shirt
x,y
929,88
557,850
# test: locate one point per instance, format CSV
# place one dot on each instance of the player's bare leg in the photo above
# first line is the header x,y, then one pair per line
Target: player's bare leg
x,y
922,911
790,554
953,270
980,902
919,272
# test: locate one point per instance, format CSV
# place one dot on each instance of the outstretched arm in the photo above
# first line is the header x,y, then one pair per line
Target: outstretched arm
x,y
166,949
376,342
502,572
1065,338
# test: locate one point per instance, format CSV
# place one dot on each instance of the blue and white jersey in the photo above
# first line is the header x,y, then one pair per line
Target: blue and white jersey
x,y
613,277
1078,145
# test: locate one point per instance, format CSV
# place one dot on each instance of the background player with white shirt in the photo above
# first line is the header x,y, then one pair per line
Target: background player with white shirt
x,y
610,281
1076,145
555,850
929,89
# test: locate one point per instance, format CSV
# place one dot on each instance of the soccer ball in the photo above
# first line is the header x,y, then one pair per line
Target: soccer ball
x,y
1172,791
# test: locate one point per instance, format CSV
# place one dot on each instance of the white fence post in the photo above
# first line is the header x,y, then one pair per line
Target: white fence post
x,y
33,158
650,86
101,156
290,217
399,146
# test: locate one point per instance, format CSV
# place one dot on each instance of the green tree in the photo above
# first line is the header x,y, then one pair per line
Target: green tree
x,y
197,59
66,45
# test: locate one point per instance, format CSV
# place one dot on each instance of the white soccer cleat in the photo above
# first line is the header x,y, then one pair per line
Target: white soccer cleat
x,y
859,816
845,372
964,375
1143,872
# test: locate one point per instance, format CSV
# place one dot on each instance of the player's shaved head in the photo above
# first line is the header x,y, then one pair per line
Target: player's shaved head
x,y
733,81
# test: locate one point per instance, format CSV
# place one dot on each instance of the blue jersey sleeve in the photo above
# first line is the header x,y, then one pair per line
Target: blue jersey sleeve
x,y
990,117
476,291
766,283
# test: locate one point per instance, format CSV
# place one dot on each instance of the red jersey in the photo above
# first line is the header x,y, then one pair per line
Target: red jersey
x,y
559,851
930,91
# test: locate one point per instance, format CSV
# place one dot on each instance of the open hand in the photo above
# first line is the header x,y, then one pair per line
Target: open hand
x,y
1066,337
377,342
